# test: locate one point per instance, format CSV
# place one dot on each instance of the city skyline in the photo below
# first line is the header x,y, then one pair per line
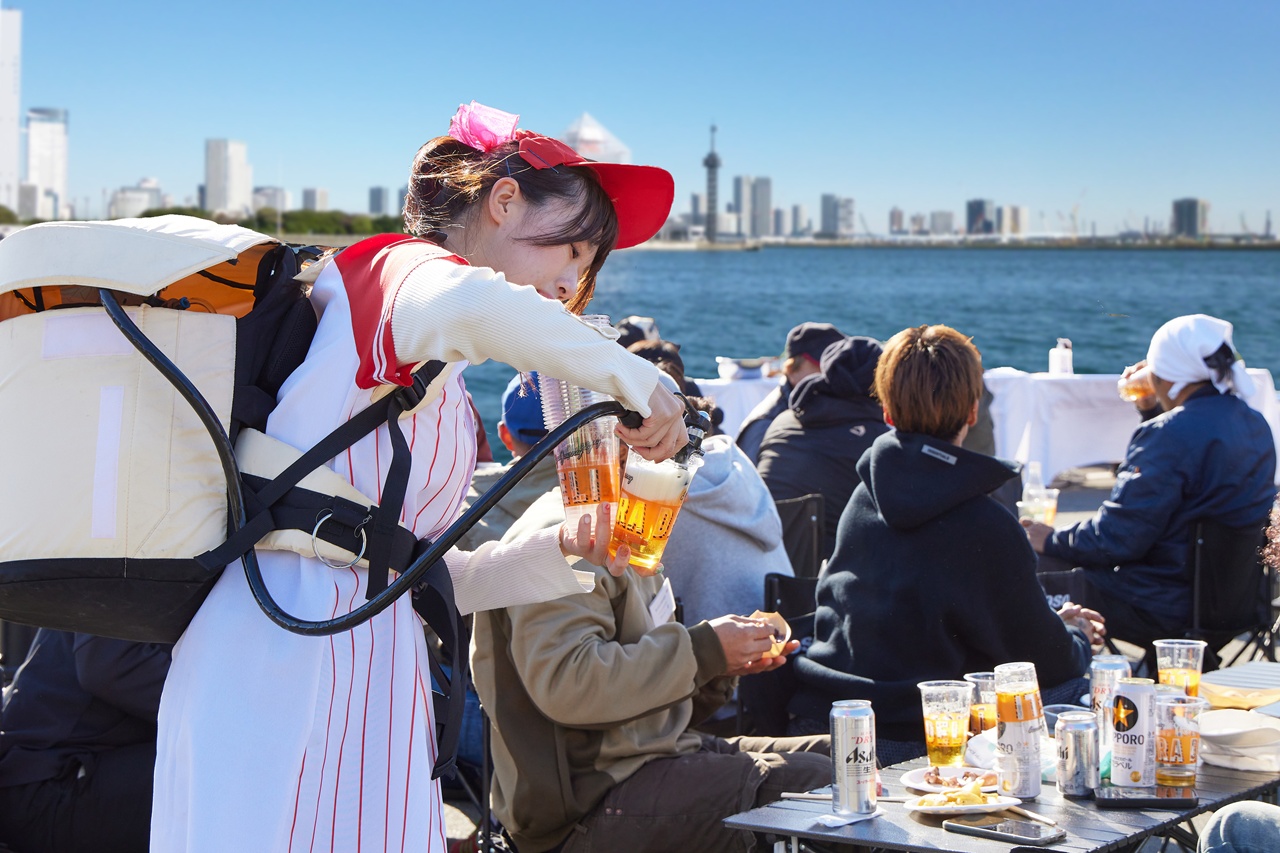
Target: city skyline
x,y
1110,112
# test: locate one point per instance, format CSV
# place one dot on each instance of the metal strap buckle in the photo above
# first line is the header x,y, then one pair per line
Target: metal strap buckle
x,y
324,516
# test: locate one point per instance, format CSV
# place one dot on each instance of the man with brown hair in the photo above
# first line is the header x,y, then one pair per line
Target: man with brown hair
x,y
930,578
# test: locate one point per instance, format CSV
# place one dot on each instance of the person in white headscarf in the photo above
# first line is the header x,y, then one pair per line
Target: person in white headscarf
x,y
1205,454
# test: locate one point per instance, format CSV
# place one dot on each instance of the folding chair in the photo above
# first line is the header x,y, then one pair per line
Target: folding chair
x,y
763,698
1231,589
803,529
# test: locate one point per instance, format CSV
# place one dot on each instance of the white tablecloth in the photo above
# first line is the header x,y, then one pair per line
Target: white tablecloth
x,y
736,398
1068,420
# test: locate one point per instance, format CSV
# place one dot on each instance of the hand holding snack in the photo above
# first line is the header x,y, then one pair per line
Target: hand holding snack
x,y
781,631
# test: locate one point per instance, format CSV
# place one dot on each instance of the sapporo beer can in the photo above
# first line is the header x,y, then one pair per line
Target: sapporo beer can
x,y
1076,737
1133,755
1019,724
853,757
1105,673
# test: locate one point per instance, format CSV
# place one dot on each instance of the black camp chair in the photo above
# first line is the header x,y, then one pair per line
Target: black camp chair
x,y
803,531
1231,589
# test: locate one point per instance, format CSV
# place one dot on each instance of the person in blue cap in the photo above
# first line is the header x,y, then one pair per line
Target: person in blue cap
x,y
520,429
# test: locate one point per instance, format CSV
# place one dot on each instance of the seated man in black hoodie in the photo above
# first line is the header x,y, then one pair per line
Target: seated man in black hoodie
x,y
78,745
830,421
931,578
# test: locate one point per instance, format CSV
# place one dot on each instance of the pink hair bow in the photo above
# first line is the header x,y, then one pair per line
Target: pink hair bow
x,y
482,127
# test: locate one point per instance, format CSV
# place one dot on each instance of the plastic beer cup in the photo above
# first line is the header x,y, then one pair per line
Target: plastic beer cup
x,y
946,720
652,494
1178,738
982,707
1179,663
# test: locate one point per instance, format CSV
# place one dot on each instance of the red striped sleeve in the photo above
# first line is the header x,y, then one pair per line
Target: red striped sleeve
x,y
372,274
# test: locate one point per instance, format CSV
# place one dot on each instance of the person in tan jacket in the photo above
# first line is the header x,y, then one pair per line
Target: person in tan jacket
x,y
594,699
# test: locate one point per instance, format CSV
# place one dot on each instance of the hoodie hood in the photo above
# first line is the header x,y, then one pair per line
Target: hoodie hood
x,y
842,391
942,476
725,478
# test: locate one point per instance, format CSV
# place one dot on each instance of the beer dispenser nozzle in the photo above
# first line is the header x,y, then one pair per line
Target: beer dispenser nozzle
x,y
697,424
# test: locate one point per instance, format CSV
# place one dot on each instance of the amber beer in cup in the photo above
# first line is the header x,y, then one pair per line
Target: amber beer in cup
x,y
652,494
946,720
1179,662
982,708
587,462
1178,739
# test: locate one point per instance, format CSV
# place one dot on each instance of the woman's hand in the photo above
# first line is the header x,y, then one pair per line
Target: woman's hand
x,y
663,432
591,542
1037,533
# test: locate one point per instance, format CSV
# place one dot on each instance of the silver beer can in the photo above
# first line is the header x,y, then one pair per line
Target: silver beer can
x,y
1105,673
853,757
1133,755
1076,737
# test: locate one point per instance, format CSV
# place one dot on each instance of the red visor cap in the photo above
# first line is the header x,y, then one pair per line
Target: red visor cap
x,y
641,195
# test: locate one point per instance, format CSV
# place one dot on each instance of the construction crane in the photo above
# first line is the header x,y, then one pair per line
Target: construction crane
x,y
865,229
1244,227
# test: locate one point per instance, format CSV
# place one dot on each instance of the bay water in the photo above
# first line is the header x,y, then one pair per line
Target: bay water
x,y
1015,303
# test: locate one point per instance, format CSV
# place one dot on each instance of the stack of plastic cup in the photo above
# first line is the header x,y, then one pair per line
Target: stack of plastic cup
x,y
587,461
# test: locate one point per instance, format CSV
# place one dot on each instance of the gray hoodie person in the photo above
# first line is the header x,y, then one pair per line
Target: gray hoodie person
x,y
726,538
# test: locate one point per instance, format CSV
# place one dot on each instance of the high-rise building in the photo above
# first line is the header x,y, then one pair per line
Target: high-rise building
x,y
592,140
47,161
315,198
942,222
276,198
918,224
799,220
779,222
401,194
761,207
837,217
742,204
895,220
228,178
1191,218
697,209
980,217
712,164
378,198
10,100
128,202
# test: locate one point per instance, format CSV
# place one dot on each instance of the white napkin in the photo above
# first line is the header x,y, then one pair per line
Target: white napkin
x,y
1265,758
980,751
836,820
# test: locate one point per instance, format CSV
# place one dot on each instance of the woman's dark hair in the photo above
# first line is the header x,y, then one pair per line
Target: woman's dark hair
x,y
448,177
1220,362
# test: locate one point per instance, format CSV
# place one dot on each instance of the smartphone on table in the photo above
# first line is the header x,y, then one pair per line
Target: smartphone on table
x,y
1156,797
1006,829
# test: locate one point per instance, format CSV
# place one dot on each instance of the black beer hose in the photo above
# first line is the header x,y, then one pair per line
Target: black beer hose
x,y
236,516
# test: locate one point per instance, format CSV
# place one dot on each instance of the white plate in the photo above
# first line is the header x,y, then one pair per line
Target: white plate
x,y
915,779
1235,728
984,808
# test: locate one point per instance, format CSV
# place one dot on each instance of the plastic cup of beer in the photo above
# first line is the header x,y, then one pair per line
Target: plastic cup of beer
x,y
1042,508
946,720
1179,663
587,462
982,707
1136,385
1178,738
651,496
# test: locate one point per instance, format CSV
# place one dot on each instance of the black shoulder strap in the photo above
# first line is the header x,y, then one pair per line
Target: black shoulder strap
x,y
387,410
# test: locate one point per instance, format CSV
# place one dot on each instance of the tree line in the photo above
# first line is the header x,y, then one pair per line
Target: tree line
x,y
266,220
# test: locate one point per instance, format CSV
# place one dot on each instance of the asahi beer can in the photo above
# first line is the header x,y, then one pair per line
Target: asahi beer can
x,y
1019,724
1104,674
1076,736
1133,755
853,757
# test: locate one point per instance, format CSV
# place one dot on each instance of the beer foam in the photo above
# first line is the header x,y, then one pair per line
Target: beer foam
x,y
651,481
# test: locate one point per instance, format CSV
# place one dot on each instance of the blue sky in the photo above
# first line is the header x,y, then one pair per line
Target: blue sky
x,y
1118,107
